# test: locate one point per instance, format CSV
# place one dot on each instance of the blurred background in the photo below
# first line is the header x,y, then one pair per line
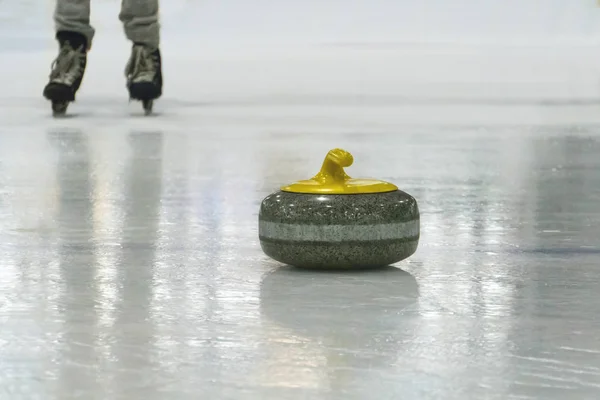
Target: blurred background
x,y
431,50
384,21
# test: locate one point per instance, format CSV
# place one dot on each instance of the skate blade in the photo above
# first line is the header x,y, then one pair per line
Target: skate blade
x,y
59,108
148,105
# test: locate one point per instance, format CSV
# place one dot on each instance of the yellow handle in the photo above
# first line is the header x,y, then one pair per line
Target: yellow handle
x,y
332,171
332,179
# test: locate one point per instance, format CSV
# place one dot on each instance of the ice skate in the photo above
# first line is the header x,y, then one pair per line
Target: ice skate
x,y
67,72
144,75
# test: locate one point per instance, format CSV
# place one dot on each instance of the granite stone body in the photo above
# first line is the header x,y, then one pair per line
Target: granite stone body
x,y
339,231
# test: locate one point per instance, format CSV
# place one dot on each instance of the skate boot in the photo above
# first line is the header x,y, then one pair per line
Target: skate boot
x,y
67,71
144,75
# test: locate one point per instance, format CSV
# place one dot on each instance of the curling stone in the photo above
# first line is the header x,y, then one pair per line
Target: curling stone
x,y
333,221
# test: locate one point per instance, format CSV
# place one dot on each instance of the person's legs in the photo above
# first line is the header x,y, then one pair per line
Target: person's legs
x,y
73,16
144,69
74,34
140,22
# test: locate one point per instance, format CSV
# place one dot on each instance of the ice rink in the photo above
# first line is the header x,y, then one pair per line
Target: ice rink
x,y
130,266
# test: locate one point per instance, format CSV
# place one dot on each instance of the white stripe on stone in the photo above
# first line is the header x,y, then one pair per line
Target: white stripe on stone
x,y
337,233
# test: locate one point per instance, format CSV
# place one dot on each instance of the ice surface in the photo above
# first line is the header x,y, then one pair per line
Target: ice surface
x,y
129,261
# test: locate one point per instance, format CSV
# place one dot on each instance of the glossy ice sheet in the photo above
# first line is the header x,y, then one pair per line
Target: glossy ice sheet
x,y
130,266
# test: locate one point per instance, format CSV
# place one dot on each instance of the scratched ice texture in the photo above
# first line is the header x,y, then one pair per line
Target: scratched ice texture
x,y
129,259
